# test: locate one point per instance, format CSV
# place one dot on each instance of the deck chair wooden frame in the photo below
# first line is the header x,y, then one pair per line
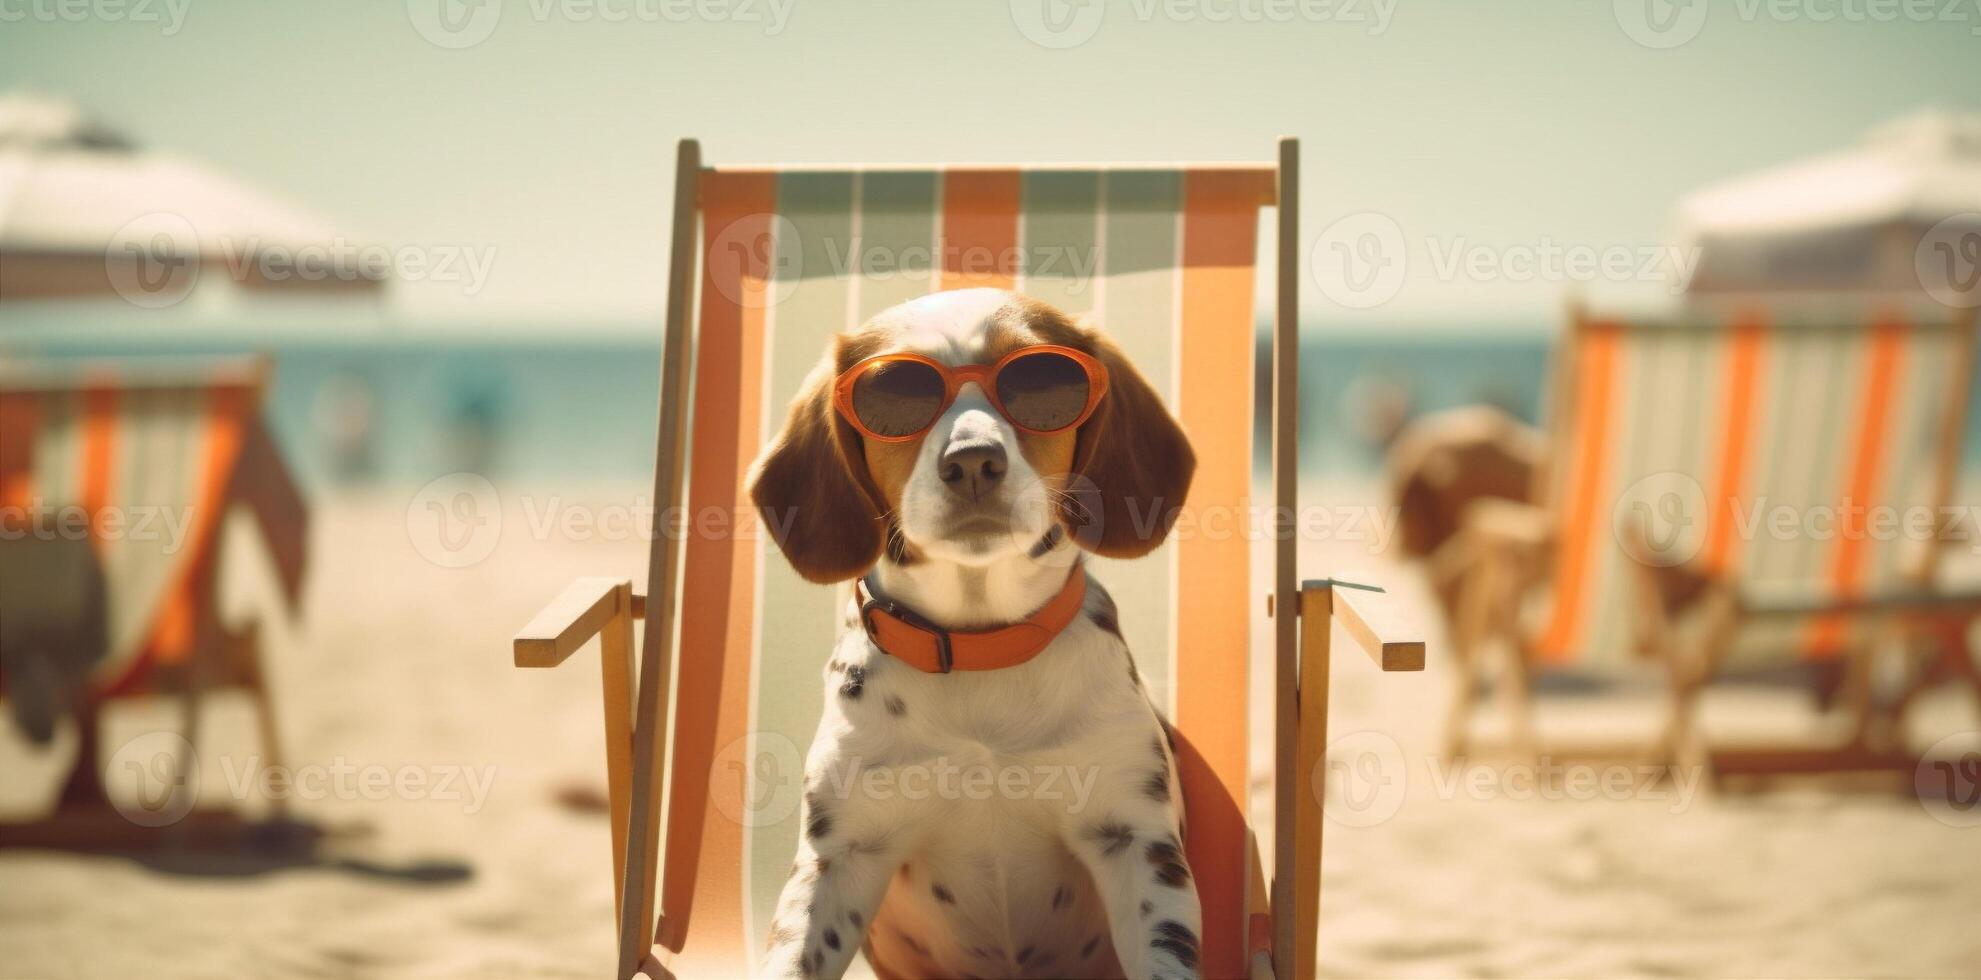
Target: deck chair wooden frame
x,y
1690,616
1278,938
67,440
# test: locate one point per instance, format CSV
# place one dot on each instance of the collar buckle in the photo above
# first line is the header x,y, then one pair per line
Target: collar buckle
x,y
944,654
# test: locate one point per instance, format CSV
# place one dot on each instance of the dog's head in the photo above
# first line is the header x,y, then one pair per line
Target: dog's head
x,y
974,486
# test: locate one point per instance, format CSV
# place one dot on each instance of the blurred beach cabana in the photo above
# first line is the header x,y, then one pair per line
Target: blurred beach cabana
x,y
86,213
1897,213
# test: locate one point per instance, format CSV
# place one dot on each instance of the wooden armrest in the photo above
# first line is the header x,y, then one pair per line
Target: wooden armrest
x,y
1371,617
1766,602
572,619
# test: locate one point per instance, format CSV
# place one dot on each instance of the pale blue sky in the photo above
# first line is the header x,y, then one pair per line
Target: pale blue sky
x,y
551,142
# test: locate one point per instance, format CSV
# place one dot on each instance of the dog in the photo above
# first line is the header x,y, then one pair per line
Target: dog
x,y
957,455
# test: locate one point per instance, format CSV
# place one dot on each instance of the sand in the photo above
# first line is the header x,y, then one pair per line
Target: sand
x,y
401,665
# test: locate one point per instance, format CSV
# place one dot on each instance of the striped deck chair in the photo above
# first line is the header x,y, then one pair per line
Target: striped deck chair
x,y
787,259
130,469
1784,469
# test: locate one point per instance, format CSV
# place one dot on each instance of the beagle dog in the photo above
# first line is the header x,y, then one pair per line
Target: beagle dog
x,y
991,792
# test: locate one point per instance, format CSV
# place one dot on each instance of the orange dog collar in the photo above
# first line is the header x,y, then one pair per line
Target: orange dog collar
x,y
902,634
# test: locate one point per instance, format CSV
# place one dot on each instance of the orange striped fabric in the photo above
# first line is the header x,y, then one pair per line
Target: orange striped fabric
x,y
1809,436
1594,379
1736,451
99,449
1214,403
701,890
134,459
1862,479
979,228
174,636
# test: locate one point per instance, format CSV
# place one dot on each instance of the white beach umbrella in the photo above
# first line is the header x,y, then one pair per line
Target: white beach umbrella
x,y
1900,212
83,212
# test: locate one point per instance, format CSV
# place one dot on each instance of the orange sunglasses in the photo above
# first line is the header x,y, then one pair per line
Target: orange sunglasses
x,y
1041,389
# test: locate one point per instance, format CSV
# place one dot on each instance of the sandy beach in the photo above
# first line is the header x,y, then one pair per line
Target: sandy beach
x,y
400,664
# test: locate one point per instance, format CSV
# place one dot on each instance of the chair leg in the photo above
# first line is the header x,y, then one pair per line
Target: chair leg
x,y
1471,633
1680,744
248,655
1519,696
616,678
84,788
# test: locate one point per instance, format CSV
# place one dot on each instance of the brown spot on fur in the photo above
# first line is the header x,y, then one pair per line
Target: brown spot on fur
x,y
1177,940
1168,861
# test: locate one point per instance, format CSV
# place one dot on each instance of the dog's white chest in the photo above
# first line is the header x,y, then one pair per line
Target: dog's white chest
x,y
986,775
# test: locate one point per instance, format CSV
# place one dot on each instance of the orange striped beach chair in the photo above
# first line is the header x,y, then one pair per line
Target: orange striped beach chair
x,y
785,258
137,464
1738,485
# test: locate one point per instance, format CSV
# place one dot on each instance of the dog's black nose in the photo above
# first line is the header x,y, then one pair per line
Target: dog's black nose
x,y
974,466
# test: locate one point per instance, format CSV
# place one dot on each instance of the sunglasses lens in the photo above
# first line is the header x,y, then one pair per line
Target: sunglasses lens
x,y
1045,391
898,398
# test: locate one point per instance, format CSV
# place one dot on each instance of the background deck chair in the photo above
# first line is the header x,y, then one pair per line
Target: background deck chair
x,y
120,477
1674,440
786,259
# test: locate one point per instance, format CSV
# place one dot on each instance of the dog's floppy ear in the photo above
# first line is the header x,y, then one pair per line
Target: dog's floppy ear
x,y
1132,465
812,491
